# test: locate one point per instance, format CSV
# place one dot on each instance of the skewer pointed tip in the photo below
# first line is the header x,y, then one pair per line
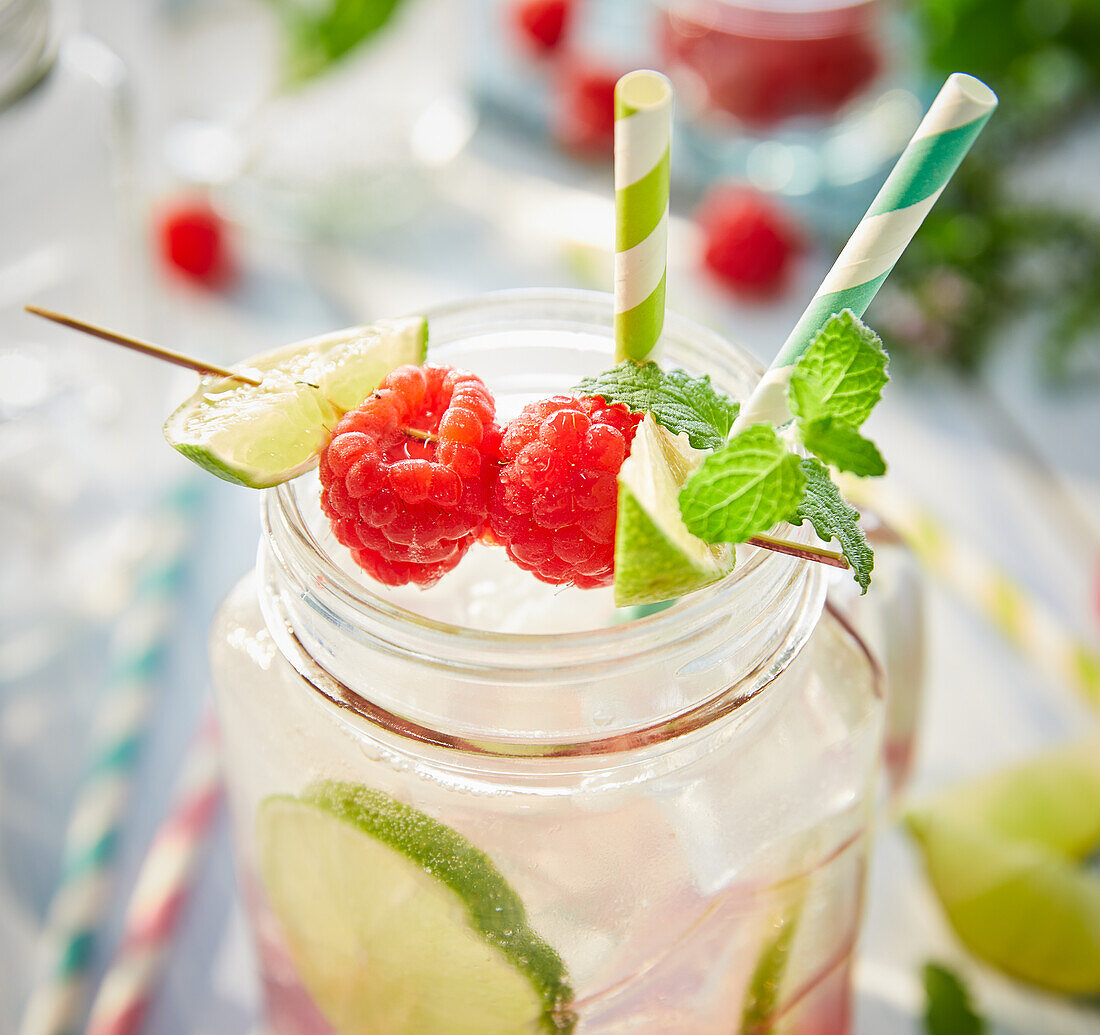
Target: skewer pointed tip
x,y
146,348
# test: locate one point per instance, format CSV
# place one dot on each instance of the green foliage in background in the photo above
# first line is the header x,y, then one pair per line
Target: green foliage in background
x,y
320,34
984,255
1035,53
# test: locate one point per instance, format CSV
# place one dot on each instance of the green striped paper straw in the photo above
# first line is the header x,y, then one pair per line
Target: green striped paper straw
x,y
956,117
82,896
643,132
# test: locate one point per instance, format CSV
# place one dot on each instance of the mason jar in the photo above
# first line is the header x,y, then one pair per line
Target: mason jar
x,y
672,809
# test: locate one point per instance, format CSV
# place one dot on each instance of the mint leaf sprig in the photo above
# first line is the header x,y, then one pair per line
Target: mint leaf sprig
x,y
678,401
833,389
842,447
746,487
833,518
842,373
756,480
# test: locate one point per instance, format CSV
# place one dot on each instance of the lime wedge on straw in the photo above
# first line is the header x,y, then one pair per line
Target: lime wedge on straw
x,y
261,435
1004,855
656,557
397,924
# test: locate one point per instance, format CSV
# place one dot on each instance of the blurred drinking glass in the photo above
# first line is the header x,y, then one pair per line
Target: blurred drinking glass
x,y
763,61
67,408
318,119
74,430
805,98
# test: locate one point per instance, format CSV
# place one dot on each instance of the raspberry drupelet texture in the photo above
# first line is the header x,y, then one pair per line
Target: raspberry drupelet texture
x,y
555,500
406,476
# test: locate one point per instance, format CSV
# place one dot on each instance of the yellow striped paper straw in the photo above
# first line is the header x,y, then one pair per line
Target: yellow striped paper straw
x,y
956,117
643,133
1026,623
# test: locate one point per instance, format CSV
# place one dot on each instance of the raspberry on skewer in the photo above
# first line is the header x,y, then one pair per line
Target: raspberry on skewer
x,y
555,501
403,477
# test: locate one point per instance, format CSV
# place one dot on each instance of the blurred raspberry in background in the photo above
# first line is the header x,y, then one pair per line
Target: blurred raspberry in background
x,y
749,243
584,107
193,243
542,24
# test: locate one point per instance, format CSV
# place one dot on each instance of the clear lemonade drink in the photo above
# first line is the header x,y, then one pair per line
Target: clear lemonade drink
x,y
497,805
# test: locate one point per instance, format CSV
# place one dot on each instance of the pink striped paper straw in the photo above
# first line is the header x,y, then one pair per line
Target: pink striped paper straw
x,y
160,892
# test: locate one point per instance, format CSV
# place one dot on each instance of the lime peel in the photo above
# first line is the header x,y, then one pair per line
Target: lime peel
x,y
397,923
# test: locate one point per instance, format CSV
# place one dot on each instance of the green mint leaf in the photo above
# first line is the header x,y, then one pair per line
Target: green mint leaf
x,y
841,446
841,374
745,487
678,401
947,1009
832,518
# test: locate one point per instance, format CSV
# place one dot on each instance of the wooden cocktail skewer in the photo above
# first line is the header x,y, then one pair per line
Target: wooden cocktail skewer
x,y
200,366
764,542
800,550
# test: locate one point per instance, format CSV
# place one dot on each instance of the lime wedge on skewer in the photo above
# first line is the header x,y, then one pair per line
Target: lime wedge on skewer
x,y
398,925
656,557
1004,855
261,435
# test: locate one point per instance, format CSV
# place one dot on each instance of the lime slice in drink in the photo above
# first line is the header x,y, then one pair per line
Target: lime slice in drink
x,y
398,925
763,994
261,435
656,557
1004,855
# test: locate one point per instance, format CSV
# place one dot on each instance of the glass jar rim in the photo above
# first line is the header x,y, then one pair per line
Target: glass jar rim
x,y
766,585
359,596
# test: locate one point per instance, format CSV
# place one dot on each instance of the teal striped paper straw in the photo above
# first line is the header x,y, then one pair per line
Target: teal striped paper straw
x,y
82,896
643,133
956,117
